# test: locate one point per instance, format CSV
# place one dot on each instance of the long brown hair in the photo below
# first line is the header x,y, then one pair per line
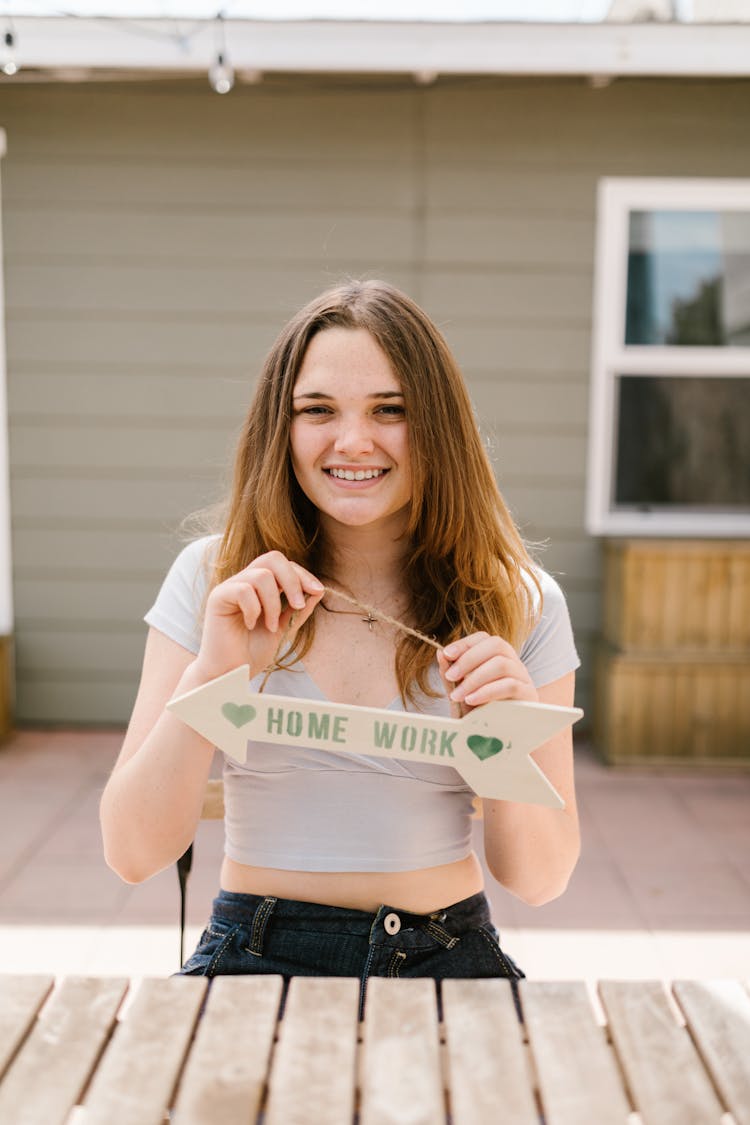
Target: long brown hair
x,y
466,567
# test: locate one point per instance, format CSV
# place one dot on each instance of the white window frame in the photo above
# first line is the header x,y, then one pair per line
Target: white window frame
x,y
6,562
611,358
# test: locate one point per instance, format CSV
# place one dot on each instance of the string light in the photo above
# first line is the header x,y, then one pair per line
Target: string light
x,y
10,66
221,71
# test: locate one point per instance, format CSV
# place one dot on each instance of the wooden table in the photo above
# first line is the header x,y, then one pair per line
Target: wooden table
x,y
84,1050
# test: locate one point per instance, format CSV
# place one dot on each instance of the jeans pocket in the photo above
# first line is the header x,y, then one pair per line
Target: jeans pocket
x,y
491,936
211,949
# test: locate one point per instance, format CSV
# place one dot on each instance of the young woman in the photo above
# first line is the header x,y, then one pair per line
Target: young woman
x,y
360,467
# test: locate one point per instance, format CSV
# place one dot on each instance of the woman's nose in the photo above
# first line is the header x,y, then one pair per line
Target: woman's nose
x,y
354,437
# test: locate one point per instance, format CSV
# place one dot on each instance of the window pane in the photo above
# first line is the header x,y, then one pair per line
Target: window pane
x,y
689,278
683,442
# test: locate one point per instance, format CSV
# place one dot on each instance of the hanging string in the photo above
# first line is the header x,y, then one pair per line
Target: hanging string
x,y
371,612
379,616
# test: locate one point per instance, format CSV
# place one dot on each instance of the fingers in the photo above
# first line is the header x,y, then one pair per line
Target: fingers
x,y
270,590
481,668
457,711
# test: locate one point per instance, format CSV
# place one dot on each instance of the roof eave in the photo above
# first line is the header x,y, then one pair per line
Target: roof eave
x,y
81,47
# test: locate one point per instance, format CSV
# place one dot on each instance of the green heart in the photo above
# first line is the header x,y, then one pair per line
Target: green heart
x,y
238,715
484,746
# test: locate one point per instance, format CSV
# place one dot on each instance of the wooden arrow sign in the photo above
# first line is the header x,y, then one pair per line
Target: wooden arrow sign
x,y
489,747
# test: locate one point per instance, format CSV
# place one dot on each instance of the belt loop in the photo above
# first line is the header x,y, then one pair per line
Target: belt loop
x,y
375,927
260,921
440,934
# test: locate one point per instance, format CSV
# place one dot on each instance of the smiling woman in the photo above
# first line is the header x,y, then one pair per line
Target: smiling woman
x,y
360,469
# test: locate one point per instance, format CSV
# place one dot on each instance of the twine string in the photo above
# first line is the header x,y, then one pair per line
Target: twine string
x,y
380,616
371,612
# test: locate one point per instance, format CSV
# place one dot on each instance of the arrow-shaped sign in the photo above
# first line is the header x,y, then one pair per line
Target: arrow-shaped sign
x,y
489,747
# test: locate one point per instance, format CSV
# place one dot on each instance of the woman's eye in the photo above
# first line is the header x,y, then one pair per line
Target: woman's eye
x,y
315,411
392,410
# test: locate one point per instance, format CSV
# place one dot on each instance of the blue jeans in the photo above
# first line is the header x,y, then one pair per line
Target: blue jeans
x,y
252,934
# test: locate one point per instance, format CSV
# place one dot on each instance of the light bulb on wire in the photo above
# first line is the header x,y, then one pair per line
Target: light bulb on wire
x,y
10,66
221,74
221,71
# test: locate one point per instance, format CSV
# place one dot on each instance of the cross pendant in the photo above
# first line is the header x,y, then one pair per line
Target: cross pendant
x,y
369,621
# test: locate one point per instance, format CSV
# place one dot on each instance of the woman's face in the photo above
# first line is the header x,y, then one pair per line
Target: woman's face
x,y
349,435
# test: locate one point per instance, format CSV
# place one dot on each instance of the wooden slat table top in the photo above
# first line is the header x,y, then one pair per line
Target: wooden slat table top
x,y
467,1052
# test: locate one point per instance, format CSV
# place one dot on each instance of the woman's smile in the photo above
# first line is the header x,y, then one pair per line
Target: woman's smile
x,y
355,473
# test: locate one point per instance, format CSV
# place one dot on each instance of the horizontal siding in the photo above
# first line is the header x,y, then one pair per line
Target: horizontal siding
x,y
119,395
376,237
90,599
235,181
134,451
80,550
113,652
172,122
156,238
228,289
82,500
507,398
550,241
472,293
74,700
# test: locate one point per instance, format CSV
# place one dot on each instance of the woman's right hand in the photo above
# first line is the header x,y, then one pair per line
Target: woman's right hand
x,y
247,615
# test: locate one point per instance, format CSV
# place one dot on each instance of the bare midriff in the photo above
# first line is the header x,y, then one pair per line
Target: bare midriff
x,y
420,892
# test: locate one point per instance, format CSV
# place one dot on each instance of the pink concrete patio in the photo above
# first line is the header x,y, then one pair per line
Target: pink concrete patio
x,y
662,888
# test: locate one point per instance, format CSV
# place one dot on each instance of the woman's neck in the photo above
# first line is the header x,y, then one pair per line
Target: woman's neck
x,y
365,561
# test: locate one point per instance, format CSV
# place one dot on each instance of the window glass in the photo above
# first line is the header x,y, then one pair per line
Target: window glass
x,y
688,278
683,441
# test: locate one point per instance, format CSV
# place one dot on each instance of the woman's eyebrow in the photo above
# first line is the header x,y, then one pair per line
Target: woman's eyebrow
x,y
323,394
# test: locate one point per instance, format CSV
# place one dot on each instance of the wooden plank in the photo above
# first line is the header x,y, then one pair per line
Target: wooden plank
x,y
576,1070
46,1078
487,1067
664,709
135,1080
226,1074
718,1015
678,595
313,1074
20,1000
663,1071
401,1077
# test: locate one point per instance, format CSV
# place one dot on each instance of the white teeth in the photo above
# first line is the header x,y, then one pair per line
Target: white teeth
x,y
358,474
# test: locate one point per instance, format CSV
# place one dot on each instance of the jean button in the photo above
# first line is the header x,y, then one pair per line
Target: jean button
x,y
392,923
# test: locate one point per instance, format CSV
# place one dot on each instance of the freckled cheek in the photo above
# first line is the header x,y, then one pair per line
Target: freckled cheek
x,y
304,455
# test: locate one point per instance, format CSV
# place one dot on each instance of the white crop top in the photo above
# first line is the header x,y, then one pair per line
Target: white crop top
x,y
304,809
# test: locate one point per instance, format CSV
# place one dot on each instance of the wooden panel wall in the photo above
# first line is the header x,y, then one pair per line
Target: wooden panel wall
x,y
157,236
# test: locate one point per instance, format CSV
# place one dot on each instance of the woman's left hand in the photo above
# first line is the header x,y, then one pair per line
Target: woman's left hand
x,y
482,669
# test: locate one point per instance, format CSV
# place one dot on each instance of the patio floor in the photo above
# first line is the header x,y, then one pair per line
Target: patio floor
x,y
662,888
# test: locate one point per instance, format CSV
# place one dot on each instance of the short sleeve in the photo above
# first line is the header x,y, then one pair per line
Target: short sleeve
x,y
177,609
549,651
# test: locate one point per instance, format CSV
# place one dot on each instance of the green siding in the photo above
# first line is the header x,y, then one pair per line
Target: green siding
x,y
156,238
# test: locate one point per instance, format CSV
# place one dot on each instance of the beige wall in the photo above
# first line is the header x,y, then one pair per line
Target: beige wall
x,y
157,237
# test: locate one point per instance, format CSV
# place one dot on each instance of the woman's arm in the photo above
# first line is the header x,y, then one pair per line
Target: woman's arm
x,y
152,802
153,799
530,850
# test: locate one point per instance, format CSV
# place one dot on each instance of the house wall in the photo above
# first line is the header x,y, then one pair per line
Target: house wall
x,y
156,238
